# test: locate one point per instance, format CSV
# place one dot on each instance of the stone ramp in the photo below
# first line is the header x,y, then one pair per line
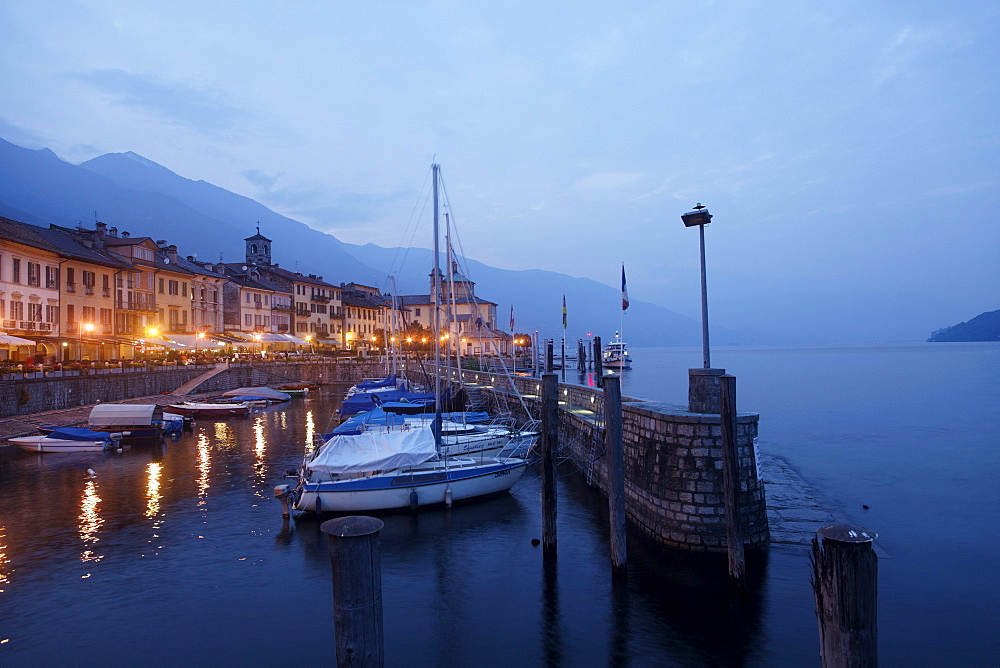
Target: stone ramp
x,y
187,387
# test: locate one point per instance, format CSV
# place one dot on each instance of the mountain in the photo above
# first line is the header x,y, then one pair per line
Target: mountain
x,y
144,198
984,327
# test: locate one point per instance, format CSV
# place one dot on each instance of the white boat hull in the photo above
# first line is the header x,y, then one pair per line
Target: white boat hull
x,y
45,444
431,484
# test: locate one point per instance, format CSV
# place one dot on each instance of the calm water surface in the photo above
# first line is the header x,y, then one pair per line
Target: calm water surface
x,y
178,553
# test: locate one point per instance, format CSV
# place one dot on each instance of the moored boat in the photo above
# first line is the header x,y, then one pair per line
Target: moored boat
x,y
67,439
615,354
209,409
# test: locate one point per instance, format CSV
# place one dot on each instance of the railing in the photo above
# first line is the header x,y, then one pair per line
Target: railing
x,y
319,298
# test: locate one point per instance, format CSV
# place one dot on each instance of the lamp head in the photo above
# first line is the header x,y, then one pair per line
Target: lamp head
x,y
700,216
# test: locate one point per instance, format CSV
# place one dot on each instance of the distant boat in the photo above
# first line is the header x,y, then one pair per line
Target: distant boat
x,y
266,392
615,354
67,439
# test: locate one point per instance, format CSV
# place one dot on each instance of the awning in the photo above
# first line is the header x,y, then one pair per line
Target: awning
x,y
164,343
296,340
192,341
15,340
271,337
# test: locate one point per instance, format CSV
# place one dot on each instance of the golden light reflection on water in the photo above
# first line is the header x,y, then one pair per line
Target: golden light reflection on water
x,y
90,522
4,560
153,496
259,447
310,431
224,436
204,468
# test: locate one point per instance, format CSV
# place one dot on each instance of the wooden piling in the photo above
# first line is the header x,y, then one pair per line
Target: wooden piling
x,y
548,355
845,585
616,471
731,479
550,441
355,558
598,362
581,356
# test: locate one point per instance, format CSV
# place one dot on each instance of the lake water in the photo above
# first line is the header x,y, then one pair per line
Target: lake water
x,y
178,554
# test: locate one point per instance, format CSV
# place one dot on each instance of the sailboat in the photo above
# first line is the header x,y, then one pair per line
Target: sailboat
x,y
403,465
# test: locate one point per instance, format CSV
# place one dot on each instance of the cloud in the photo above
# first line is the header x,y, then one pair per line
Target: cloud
x,y
608,180
201,108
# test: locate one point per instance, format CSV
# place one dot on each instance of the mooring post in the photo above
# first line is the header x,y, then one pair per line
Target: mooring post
x,y
548,355
598,362
355,558
731,478
550,440
616,471
581,356
845,584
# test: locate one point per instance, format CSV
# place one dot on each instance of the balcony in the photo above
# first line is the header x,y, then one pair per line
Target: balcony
x,y
136,306
319,298
10,324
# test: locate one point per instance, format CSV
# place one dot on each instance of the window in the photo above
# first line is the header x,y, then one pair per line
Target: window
x,y
52,277
184,288
51,313
142,253
416,312
70,279
248,298
171,287
17,310
15,270
246,320
161,286
34,312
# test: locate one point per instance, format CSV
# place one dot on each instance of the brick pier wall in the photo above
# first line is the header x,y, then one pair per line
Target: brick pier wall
x,y
673,464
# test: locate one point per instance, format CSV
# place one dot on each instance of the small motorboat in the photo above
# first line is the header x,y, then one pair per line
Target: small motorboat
x,y
68,439
209,409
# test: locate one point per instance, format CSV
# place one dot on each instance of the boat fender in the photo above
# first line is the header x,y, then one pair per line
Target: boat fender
x,y
447,497
413,499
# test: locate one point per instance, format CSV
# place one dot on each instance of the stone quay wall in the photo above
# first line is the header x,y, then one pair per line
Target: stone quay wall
x,y
673,463
37,393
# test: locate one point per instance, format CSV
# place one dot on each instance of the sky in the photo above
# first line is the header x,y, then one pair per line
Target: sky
x,y
848,151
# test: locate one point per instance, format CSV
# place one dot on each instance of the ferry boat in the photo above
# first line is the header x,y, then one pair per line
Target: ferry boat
x,y
615,354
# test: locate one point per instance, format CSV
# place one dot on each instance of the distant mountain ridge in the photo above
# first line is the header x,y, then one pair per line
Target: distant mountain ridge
x,y
144,198
984,327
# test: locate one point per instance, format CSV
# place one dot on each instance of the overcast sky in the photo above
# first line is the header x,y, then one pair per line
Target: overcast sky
x,y
848,150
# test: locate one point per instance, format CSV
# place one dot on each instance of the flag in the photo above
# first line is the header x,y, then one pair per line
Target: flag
x,y
511,318
564,311
624,291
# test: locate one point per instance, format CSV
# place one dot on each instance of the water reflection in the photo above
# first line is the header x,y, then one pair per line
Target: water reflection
x,y
153,472
552,648
4,560
259,448
204,468
310,432
90,522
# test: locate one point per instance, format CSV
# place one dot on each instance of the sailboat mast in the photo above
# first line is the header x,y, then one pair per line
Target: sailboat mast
x,y
436,320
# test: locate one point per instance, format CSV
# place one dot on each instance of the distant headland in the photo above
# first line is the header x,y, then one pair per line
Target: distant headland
x,y
984,327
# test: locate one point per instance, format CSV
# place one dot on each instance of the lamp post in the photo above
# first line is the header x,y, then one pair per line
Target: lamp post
x,y
257,338
704,391
151,334
198,337
700,217
309,340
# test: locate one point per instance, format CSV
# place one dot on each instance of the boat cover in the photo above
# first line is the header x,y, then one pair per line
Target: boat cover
x,y
77,434
125,415
388,381
366,401
374,451
267,392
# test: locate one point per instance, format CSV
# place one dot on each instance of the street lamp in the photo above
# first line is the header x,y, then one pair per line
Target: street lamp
x,y
197,338
699,218
309,340
85,327
151,334
257,338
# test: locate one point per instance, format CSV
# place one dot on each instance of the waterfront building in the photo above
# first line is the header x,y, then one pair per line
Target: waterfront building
x,y
366,312
468,321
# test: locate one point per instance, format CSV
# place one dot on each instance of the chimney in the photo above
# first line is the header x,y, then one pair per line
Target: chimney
x,y
125,235
113,231
172,253
100,229
162,243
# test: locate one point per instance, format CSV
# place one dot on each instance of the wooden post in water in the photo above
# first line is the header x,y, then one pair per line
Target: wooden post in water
x,y
598,362
616,471
845,584
731,479
581,356
550,440
548,355
355,556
